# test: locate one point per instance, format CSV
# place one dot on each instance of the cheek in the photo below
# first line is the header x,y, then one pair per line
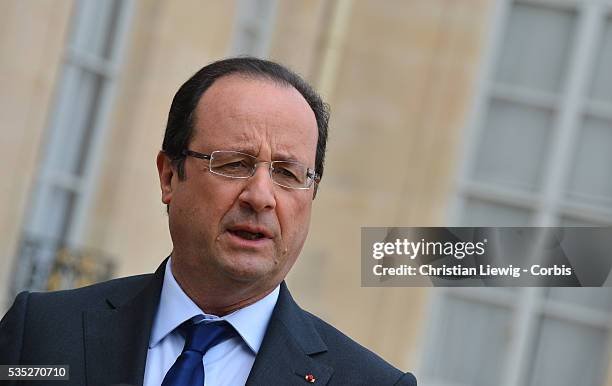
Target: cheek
x,y
201,208
295,221
215,208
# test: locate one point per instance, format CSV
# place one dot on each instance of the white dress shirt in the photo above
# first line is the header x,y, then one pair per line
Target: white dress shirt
x,y
225,364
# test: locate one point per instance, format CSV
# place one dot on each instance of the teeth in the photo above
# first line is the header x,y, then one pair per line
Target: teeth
x,y
248,235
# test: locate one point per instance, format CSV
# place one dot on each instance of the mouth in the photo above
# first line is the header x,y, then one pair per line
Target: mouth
x,y
250,233
247,235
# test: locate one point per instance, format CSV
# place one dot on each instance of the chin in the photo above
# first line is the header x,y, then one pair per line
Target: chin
x,y
249,271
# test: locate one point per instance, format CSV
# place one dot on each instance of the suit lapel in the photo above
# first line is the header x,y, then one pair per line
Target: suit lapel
x,y
117,338
285,353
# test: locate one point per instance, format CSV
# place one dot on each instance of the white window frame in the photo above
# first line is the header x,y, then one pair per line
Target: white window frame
x,y
571,105
83,185
528,305
253,27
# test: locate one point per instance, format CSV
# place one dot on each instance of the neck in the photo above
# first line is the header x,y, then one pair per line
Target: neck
x,y
216,298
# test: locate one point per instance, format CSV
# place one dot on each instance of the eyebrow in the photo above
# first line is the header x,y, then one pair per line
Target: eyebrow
x,y
286,157
280,155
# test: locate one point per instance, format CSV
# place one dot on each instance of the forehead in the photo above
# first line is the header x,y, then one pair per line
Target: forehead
x,y
257,116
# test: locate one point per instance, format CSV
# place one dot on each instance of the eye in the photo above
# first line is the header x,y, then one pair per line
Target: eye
x,y
233,167
286,173
236,165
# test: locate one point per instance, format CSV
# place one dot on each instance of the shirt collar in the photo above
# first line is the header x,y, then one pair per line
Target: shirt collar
x,y
175,307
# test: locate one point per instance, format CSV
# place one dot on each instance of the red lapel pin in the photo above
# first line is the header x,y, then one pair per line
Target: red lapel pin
x,y
309,378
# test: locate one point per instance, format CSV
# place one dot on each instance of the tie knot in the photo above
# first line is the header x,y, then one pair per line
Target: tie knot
x,y
200,337
188,368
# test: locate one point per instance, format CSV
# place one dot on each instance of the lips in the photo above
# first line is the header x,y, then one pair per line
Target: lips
x,y
250,233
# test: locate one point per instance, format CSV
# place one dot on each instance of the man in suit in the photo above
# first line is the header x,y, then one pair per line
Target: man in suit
x,y
239,168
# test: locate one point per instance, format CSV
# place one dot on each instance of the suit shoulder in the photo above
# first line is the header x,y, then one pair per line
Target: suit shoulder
x,y
89,297
338,340
355,358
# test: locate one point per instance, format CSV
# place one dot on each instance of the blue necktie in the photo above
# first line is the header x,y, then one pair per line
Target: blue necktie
x,y
188,370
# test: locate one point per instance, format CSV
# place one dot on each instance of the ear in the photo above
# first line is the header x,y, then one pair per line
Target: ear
x,y
166,173
315,190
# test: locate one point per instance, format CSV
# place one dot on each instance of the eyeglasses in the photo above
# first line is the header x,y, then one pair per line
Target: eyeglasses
x,y
234,164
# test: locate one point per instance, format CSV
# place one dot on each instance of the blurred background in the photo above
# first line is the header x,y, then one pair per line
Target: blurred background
x,y
444,112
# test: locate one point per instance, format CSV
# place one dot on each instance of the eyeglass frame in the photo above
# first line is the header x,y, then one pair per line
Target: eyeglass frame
x,y
313,176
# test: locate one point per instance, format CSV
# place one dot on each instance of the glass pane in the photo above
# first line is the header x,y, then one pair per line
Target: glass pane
x,y
470,344
590,179
252,27
483,213
53,214
514,145
568,221
596,298
536,47
568,354
77,120
602,76
95,28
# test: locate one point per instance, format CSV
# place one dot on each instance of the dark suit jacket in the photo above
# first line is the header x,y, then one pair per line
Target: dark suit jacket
x,y
102,333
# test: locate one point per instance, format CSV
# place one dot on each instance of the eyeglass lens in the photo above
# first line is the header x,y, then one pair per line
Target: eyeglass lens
x,y
239,165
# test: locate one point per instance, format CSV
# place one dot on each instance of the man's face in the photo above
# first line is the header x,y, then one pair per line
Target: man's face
x,y
209,214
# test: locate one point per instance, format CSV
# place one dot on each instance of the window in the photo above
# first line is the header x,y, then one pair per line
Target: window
x,y
542,135
78,123
538,154
254,24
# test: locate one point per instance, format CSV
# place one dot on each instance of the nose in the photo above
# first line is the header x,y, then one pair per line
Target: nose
x,y
258,192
